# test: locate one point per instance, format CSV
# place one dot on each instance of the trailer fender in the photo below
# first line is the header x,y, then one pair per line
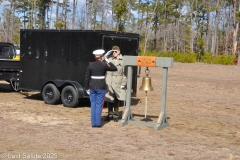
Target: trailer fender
x,y
60,84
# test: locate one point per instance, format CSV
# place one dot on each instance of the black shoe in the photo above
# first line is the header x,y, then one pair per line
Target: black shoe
x,y
96,126
115,119
107,119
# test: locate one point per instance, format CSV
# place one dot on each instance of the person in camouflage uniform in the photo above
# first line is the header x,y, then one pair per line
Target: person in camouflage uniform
x,y
116,83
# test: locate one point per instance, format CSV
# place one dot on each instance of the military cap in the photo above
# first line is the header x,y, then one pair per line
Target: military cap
x,y
115,48
98,52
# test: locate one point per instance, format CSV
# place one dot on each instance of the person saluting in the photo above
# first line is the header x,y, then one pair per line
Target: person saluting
x,y
116,84
95,85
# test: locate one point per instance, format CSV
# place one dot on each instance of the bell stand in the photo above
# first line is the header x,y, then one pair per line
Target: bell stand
x,y
130,61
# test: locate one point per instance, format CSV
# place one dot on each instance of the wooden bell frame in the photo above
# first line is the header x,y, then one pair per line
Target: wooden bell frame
x,y
148,61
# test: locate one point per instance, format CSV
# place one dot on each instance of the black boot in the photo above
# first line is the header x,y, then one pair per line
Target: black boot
x,y
115,119
110,111
107,118
116,108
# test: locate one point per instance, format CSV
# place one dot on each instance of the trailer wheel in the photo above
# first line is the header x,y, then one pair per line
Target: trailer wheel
x,y
50,94
69,97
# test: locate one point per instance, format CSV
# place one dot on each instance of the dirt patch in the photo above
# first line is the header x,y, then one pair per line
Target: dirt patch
x,y
203,111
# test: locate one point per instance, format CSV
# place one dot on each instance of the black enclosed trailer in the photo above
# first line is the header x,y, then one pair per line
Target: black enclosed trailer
x,y
54,62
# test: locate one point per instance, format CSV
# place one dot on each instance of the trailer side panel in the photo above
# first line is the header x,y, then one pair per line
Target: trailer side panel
x,y
65,54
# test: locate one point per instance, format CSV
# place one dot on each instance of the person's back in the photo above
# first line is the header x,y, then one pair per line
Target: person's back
x,y
98,71
95,85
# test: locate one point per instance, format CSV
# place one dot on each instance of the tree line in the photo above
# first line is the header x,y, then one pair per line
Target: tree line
x,y
164,25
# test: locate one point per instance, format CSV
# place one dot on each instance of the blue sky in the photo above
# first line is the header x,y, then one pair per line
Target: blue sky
x,y
2,5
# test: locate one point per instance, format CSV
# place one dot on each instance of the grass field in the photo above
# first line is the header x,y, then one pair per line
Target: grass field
x,y
203,110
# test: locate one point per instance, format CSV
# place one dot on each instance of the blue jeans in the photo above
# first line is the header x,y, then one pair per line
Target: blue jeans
x,y
97,102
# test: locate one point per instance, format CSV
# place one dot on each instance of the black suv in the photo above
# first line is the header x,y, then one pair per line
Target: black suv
x,y
7,50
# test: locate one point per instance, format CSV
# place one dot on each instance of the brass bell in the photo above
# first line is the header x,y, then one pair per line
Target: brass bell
x,y
146,86
146,82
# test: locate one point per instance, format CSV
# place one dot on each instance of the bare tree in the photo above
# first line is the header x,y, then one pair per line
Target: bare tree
x,y
50,17
214,49
235,25
57,10
74,13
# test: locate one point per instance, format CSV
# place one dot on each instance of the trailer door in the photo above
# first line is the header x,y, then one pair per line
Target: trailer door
x,y
128,45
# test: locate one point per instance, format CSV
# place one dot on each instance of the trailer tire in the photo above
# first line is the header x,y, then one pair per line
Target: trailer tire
x,y
50,94
69,97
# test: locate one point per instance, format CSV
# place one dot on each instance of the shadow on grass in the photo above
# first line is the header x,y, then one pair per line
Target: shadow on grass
x,y
36,96
83,102
6,88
